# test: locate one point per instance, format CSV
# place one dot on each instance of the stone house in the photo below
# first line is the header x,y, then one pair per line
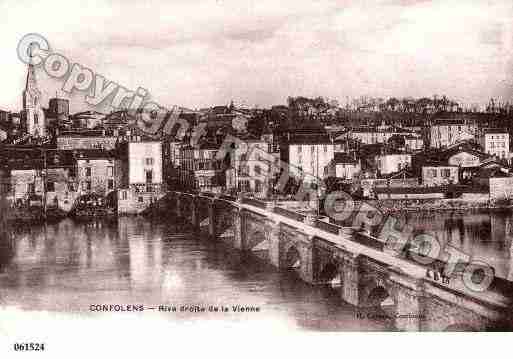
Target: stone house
x,y
439,175
96,172
140,164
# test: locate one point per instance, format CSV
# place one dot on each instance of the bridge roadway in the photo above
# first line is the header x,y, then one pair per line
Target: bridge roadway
x,y
453,300
412,269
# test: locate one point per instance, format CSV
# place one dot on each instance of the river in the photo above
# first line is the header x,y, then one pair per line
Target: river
x,y
69,266
74,268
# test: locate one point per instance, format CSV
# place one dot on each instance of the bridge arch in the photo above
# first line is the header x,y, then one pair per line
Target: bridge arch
x,y
293,258
330,274
258,241
379,296
460,327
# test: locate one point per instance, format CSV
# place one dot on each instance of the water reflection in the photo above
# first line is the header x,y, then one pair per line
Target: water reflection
x,y
70,265
483,236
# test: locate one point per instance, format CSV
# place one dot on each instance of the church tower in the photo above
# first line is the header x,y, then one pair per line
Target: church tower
x,y
32,112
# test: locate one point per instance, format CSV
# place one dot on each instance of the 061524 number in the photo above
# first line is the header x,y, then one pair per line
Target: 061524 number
x,y
29,347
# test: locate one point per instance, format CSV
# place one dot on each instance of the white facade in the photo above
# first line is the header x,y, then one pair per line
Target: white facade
x,y
310,159
373,135
144,162
254,166
439,175
412,143
347,170
96,175
391,163
464,159
495,144
445,134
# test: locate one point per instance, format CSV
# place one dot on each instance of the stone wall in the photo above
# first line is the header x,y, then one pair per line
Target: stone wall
x,y
81,142
132,202
364,281
501,188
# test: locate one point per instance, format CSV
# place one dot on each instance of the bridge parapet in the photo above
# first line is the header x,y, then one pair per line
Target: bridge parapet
x,y
322,253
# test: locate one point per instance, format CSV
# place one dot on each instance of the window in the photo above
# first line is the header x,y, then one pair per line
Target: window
x,y
110,171
88,171
124,195
446,173
433,172
325,148
149,176
258,186
86,186
31,188
244,170
140,199
257,169
149,161
36,119
110,184
50,186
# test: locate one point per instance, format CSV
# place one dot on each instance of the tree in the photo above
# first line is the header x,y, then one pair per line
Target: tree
x,y
392,103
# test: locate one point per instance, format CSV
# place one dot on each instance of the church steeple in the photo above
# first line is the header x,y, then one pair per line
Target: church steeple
x,y
31,83
33,113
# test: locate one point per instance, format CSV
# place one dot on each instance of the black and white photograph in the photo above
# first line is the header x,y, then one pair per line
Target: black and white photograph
x,y
197,176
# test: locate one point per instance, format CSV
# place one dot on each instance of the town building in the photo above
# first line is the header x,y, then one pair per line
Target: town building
x,y
4,132
342,166
59,107
87,119
87,140
413,143
402,179
392,162
141,183
439,175
411,193
372,135
57,115
465,155
253,168
42,174
307,153
447,132
495,142
96,171
498,181
200,169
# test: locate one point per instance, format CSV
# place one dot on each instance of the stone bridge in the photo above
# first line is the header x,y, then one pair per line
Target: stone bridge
x,y
324,254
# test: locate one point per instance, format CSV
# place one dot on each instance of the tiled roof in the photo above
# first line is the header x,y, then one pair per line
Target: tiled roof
x,y
495,130
308,138
450,122
93,154
493,172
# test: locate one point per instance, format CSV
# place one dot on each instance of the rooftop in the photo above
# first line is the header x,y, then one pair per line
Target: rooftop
x,y
340,157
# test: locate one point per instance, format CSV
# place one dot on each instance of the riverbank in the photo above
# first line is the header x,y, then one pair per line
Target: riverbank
x,y
441,205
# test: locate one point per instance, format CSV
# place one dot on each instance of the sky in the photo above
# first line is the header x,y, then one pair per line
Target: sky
x,y
199,53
